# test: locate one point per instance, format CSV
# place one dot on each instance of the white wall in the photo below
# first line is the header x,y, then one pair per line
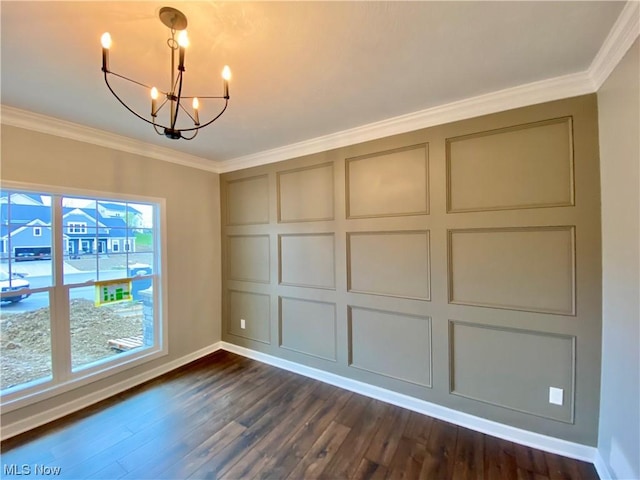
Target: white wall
x,y
619,121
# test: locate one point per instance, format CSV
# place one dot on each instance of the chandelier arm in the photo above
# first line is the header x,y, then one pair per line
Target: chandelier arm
x,y
220,97
129,80
226,103
192,136
187,112
126,106
175,84
162,105
175,117
155,127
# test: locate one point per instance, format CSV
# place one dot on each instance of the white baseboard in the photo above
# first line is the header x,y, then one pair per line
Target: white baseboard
x,y
523,437
512,434
42,418
601,467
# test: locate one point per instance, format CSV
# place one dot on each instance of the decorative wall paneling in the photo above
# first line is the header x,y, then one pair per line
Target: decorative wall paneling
x,y
389,263
306,194
308,326
391,344
307,260
247,201
524,166
492,364
248,258
252,306
458,264
526,268
389,183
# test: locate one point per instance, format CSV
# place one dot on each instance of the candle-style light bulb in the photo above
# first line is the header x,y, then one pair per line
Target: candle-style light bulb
x,y
106,45
154,101
226,75
105,39
196,105
183,42
183,39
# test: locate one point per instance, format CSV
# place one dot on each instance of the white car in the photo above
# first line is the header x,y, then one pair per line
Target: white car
x,y
10,284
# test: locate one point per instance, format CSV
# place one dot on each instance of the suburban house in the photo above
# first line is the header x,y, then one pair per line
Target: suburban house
x,y
435,205
86,231
86,234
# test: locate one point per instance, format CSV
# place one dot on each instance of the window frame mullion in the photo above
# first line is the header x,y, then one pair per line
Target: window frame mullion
x,y
59,300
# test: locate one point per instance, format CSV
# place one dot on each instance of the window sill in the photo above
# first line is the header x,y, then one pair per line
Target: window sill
x,y
47,389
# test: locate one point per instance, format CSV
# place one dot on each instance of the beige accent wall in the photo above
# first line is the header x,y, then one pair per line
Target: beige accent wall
x,y
193,231
458,264
619,115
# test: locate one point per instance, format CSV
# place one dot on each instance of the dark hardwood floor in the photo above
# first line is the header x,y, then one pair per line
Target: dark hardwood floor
x,y
229,417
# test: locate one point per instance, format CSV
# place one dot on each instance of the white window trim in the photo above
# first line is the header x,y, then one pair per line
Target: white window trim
x,y
37,231
47,389
115,245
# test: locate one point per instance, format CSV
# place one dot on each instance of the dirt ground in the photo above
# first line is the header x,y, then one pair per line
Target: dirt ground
x,y
26,338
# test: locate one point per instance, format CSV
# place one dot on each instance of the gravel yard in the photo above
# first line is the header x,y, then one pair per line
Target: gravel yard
x,y
26,339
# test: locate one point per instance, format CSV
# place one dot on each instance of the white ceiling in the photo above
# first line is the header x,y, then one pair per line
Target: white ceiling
x,y
301,70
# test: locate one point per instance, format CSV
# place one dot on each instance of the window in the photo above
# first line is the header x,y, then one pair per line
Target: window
x,y
76,227
108,311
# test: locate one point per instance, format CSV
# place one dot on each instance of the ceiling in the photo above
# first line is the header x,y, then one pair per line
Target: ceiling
x,y
301,70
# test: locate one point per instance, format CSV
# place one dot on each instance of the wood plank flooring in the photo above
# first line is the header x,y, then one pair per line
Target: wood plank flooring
x,y
229,417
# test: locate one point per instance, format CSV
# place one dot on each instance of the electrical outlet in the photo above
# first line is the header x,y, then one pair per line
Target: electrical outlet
x,y
243,324
556,395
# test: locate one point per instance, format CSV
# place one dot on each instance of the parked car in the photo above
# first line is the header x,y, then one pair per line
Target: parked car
x,y
25,256
13,283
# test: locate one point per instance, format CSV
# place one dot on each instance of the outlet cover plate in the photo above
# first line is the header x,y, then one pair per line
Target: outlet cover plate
x,y
556,395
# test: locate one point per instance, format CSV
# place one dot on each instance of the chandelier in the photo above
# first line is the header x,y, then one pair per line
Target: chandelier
x,y
173,99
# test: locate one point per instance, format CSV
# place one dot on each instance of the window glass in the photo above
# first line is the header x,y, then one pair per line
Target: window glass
x,y
113,266
25,329
25,234
103,332
141,264
115,244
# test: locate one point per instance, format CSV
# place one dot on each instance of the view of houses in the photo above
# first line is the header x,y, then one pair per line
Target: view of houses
x,y
89,229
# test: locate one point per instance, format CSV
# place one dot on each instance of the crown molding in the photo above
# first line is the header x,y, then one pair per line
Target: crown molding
x,y
16,117
620,38
520,96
